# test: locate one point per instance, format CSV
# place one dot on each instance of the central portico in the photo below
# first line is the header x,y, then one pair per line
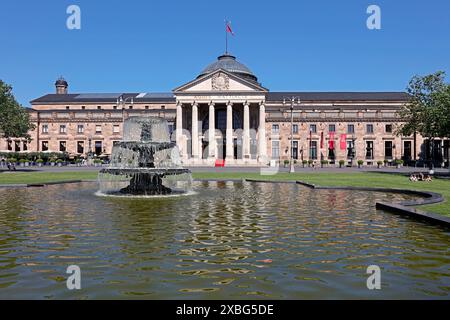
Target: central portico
x,y
222,116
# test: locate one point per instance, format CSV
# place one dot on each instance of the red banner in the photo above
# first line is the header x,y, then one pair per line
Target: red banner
x,y
331,141
343,141
321,140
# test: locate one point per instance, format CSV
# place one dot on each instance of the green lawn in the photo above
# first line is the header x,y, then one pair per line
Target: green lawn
x,y
319,178
44,177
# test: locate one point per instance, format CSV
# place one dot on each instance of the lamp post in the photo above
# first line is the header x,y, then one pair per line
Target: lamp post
x,y
121,102
293,101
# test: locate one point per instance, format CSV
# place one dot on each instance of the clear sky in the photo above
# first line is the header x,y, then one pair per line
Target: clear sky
x,y
155,46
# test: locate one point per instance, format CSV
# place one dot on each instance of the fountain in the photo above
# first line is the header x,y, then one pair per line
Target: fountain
x,y
145,162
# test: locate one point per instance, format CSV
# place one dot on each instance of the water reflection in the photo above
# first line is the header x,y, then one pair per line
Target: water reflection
x,y
230,240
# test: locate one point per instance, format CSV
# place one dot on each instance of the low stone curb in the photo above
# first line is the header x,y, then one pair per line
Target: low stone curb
x,y
428,197
31,185
270,181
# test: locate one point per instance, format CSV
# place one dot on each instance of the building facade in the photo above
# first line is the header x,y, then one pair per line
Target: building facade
x,y
226,114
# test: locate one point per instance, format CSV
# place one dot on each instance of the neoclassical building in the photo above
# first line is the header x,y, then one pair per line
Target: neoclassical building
x,y
226,114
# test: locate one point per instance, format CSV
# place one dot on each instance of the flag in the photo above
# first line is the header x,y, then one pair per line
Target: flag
x,y
331,141
229,28
343,141
321,140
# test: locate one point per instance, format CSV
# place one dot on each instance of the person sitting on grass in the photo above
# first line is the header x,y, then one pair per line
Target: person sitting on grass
x,y
421,176
427,178
413,178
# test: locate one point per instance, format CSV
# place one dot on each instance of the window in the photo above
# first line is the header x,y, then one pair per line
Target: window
x,y
98,128
67,107
83,107
331,128
275,149
388,149
407,150
115,107
275,129
295,128
146,107
350,149
45,128
99,107
171,128
25,146
44,146
163,107
17,145
313,128
295,149
63,128
80,128
98,147
351,128
388,128
9,145
369,150
130,107
116,128
80,147
369,128
62,146
313,150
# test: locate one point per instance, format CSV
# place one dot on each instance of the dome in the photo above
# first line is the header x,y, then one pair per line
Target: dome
x,y
229,63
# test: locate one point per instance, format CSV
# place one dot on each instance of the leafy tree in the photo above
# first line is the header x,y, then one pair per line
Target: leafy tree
x,y
427,111
14,119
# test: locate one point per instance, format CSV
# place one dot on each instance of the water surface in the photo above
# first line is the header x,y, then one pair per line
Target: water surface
x,y
229,240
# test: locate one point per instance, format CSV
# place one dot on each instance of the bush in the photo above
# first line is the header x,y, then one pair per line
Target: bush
x,y
379,162
341,163
23,160
310,162
39,160
59,161
398,161
52,159
305,161
12,160
98,161
360,162
324,162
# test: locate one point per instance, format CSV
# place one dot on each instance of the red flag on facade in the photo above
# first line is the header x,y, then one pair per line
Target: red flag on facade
x,y
321,140
343,141
331,141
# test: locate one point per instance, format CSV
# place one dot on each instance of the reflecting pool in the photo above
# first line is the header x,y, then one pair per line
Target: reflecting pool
x,y
228,240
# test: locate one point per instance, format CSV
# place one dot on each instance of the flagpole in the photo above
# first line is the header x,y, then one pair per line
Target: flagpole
x,y
226,37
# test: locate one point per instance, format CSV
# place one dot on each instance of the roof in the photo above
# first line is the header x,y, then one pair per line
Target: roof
x,y
339,96
104,98
169,97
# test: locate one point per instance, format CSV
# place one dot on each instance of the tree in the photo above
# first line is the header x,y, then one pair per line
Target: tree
x,y
14,119
427,111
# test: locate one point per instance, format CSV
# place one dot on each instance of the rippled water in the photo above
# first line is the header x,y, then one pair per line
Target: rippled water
x,y
229,240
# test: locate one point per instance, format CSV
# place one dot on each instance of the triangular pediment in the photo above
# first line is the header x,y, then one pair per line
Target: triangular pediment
x,y
220,81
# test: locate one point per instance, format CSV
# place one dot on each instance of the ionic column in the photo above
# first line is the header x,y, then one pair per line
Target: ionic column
x,y
212,132
246,133
195,130
179,128
229,132
262,151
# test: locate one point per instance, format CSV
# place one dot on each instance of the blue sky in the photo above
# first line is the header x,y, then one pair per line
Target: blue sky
x,y
155,46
